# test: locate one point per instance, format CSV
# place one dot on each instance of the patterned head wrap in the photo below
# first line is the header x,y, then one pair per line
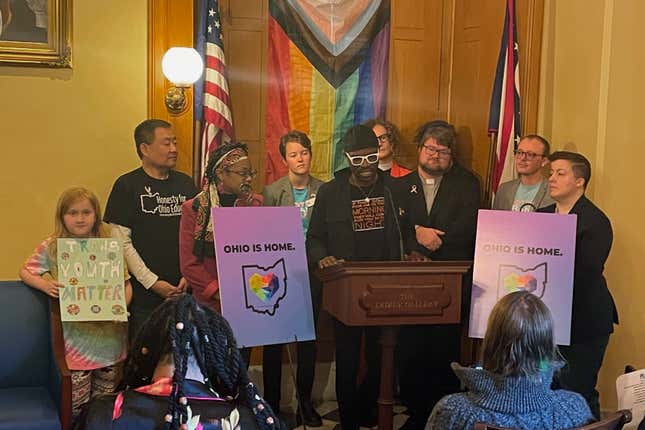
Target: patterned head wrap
x,y
221,159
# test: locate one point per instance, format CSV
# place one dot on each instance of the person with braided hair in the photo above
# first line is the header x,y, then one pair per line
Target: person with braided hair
x,y
183,372
228,183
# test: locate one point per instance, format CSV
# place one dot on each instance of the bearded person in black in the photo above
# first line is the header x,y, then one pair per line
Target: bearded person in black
x,y
354,220
440,200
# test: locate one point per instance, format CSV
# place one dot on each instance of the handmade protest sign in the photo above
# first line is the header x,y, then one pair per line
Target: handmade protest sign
x,y
524,251
92,273
263,275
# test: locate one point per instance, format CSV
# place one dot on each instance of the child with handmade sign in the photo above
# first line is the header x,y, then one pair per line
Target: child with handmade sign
x,y
94,350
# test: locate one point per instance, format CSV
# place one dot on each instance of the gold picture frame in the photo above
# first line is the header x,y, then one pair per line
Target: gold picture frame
x,y
36,33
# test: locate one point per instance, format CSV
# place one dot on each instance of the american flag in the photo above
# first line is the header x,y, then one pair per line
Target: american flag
x,y
504,117
212,102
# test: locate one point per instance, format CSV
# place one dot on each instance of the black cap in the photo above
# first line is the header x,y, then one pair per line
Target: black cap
x,y
359,137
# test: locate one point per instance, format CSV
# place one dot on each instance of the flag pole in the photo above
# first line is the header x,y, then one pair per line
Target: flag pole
x,y
197,154
488,197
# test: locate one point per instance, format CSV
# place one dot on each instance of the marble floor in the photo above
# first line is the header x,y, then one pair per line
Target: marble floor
x,y
329,411
323,396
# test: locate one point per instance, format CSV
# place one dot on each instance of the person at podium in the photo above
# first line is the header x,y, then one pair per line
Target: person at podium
x,y
440,200
355,219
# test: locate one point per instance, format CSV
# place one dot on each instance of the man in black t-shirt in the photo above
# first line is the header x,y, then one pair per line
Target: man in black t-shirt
x,y
143,209
354,219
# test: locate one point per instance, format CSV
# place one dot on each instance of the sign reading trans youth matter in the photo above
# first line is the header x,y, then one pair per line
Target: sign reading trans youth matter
x,y
92,272
528,251
263,275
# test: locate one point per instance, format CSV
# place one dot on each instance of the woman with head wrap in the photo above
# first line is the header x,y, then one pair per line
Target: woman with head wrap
x,y
228,183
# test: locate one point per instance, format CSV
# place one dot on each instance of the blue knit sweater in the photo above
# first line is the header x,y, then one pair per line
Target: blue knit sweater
x,y
525,402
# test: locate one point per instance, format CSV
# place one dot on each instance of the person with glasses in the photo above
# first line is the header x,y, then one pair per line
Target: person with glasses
x,y
388,141
441,200
297,188
529,191
355,219
228,183
143,210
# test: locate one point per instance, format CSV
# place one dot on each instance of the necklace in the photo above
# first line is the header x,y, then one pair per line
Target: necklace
x,y
367,196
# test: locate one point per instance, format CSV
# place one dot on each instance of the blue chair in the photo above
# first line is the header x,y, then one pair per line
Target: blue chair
x,y
35,384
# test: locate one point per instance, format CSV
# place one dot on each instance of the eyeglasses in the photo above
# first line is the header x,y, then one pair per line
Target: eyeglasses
x,y
528,155
245,173
357,160
442,153
384,137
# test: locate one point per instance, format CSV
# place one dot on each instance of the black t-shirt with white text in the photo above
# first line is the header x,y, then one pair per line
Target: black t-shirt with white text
x,y
368,219
151,209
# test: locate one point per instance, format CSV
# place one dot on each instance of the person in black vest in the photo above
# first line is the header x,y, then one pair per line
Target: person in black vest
x,y
354,219
440,200
594,313
143,209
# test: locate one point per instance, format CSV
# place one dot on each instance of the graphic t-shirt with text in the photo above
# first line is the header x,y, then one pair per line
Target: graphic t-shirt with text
x,y
300,201
151,209
368,219
524,196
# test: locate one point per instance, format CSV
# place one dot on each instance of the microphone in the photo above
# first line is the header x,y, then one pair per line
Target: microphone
x,y
396,220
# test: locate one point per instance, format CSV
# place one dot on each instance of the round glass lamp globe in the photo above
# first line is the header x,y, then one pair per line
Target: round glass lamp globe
x,y
182,66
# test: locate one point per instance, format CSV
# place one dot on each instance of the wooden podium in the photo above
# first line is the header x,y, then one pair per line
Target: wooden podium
x,y
389,294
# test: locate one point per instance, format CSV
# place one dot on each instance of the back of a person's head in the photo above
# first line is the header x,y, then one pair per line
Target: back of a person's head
x,y
519,336
182,329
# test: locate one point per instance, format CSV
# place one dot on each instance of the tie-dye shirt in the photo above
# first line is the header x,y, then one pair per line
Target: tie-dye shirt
x,y
88,345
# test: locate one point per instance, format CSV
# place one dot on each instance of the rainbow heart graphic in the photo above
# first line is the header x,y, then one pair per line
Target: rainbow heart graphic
x,y
514,282
513,278
264,286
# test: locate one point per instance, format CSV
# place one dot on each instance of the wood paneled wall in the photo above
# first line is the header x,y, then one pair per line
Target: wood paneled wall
x,y
245,27
476,42
443,55
419,67
170,23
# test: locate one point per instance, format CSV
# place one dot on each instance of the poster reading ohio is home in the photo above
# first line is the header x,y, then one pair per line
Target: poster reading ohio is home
x,y
262,273
92,273
524,251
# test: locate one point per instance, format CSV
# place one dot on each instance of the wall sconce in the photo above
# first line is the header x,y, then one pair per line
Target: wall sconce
x,y
182,67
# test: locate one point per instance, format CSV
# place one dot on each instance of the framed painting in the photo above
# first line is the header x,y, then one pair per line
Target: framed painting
x,y
36,33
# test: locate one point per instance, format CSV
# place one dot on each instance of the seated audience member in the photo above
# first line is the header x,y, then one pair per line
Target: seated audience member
x,y
513,389
388,141
183,372
228,183
569,176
